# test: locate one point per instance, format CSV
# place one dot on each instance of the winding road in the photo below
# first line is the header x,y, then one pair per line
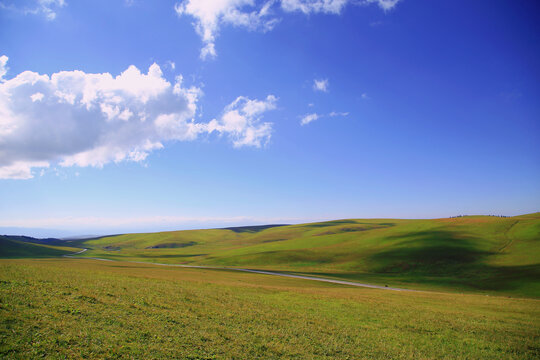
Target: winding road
x,y
264,272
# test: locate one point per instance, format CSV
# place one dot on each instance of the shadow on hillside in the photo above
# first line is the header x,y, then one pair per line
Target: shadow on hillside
x,y
172,245
167,256
433,258
433,251
330,223
449,258
371,225
359,227
252,229
517,279
280,257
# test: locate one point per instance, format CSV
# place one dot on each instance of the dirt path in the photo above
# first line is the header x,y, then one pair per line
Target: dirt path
x,y
263,272
78,252
509,240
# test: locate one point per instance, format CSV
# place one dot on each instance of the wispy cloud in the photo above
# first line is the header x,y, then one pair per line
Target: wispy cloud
x,y
334,114
383,4
314,6
320,85
331,6
308,118
210,15
3,66
47,8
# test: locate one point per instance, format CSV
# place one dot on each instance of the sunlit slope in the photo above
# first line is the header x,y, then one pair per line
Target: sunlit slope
x,y
18,249
479,252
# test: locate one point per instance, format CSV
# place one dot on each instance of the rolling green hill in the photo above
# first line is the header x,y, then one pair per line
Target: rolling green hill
x,y
83,308
13,249
480,253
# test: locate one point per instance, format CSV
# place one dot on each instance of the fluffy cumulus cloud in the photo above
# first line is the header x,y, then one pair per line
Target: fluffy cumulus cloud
x,y
210,15
241,121
47,8
75,118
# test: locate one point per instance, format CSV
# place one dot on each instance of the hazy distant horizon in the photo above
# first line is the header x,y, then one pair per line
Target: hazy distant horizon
x,y
85,231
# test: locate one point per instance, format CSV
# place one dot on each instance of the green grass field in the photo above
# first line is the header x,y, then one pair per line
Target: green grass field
x,y
468,254
482,274
72,308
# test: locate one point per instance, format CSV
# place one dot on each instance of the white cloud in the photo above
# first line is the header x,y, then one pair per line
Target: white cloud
x,y
241,120
21,170
78,119
383,4
320,85
334,114
3,67
331,6
306,119
210,14
37,97
365,96
314,6
47,8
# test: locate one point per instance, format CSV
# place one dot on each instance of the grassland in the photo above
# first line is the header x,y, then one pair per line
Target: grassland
x,y
72,308
14,249
83,308
483,254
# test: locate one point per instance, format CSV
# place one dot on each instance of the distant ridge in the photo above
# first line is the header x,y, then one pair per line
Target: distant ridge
x,y
30,239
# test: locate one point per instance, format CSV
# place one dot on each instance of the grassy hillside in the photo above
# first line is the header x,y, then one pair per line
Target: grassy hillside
x,y
480,253
66,308
12,249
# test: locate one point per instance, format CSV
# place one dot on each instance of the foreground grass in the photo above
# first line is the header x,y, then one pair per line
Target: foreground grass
x,y
469,254
69,308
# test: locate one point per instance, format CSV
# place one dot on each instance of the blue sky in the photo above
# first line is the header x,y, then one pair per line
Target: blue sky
x,y
139,115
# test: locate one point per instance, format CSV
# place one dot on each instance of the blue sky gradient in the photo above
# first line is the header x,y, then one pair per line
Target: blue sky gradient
x,y
438,114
